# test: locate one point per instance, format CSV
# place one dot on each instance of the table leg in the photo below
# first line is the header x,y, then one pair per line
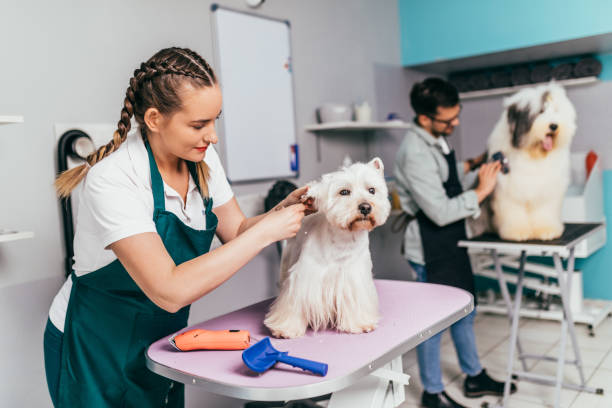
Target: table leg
x,y
514,329
567,324
383,388
503,286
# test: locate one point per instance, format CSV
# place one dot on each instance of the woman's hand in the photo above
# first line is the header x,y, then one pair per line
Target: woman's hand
x,y
282,223
487,179
295,197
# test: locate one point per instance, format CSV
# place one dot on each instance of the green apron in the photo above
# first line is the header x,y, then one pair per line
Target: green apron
x,y
110,322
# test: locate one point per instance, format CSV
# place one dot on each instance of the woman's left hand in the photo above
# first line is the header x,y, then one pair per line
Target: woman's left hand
x,y
298,196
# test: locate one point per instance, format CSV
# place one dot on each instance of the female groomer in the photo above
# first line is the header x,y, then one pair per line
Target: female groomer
x,y
150,205
431,192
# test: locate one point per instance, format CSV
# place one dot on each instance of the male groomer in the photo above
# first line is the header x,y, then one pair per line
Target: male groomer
x,y
430,190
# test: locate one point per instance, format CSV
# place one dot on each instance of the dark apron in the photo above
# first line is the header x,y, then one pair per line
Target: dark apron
x,y
110,322
445,262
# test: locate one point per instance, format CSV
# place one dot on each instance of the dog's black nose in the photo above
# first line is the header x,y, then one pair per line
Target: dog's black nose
x,y
365,208
553,126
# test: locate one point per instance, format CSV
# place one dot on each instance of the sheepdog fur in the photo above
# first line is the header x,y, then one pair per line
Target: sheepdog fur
x,y
534,132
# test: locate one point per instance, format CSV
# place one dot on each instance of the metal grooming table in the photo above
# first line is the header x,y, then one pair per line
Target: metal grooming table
x,y
365,370
562,247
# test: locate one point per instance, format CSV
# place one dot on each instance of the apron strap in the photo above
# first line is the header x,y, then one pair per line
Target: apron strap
x,y
157,184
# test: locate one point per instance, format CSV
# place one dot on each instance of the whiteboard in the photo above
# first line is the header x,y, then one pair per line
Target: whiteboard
x,y
253,63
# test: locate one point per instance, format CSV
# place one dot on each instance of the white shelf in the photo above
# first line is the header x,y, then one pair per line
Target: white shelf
x,y
511,89
357,126
9,235
6,119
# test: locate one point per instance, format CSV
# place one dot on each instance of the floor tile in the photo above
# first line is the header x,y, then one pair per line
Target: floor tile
x,y
601,379
590,358
538,337
588,400
487,343
598,342
408,405
543,394
540,331
607,361
604,329
570,373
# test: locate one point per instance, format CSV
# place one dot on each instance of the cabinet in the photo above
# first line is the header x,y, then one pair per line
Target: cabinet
x,y
447,36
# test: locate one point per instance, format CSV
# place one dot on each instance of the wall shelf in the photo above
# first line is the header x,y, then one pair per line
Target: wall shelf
x,y
10,235
6,119
357,126
366,128
511,89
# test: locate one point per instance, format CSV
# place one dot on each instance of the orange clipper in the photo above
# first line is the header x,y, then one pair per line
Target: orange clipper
x,y
199,339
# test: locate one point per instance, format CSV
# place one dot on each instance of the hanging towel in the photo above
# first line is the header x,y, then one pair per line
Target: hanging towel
x,y
541,72
479,80
501,79
563,71
587,67
461,81
521,75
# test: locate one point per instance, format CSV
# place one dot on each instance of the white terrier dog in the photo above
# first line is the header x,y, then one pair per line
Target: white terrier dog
x,y
326,270
534,133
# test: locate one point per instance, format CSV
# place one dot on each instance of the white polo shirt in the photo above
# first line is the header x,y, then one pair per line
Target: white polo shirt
x,y
116,201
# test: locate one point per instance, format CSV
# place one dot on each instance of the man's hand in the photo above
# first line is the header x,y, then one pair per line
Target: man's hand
x,y
475,162
487,179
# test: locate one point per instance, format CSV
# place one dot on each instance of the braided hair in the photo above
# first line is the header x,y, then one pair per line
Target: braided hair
x,y
155,84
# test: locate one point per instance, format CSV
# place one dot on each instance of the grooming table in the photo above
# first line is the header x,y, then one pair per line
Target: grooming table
x,y
562,247
365,370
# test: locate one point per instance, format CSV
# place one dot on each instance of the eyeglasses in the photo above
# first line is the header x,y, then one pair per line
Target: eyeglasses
x,y
448,122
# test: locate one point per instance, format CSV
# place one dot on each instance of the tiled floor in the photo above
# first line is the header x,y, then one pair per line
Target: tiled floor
x,y
537,337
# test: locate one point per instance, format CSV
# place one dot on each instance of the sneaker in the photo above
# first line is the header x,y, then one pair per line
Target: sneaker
x,y
439,400
481,385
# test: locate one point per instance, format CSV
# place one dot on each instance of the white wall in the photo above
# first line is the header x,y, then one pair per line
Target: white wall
x,y
70,61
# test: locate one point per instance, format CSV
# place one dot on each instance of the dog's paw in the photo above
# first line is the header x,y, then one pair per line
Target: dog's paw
x,y
366,328
548,232
357,328
286,331
514,233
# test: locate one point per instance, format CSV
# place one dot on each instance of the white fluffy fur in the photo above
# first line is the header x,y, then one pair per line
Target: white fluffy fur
x,y
326,270
527,201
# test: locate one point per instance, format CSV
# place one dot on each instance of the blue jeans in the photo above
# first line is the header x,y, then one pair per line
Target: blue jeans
x,y
428,352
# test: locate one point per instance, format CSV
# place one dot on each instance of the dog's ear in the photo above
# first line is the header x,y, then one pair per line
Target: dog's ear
x,y
519,122
377,164
313,195
347,161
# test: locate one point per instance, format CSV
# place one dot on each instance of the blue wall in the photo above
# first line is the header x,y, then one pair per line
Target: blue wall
x,y
447,29
606,62
596,269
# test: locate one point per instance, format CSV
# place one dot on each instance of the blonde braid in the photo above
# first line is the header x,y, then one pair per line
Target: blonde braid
x,y
69,179
138,98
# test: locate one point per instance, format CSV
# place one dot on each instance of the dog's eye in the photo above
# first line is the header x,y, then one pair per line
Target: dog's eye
x,y
372,190
345,192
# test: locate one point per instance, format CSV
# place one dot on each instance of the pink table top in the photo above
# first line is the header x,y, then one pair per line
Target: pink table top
x,y
411,312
